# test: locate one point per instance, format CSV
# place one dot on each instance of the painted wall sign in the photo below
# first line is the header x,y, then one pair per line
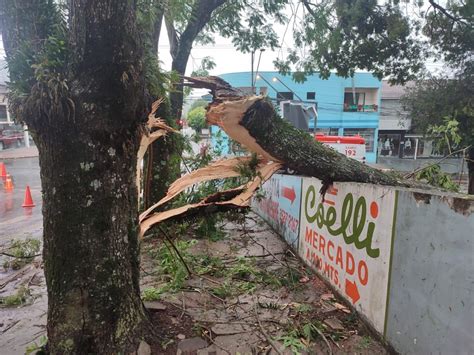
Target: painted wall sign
x,y
280,206
347,238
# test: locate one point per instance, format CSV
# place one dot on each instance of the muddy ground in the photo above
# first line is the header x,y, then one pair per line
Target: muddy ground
x,y
247,294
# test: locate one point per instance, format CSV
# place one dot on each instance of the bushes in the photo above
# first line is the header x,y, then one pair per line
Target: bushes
x,y
197,118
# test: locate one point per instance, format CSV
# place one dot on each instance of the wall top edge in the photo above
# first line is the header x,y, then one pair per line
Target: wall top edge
x,y
460,203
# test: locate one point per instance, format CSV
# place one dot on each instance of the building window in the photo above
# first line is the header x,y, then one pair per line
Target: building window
x,y
327,131
360,100
310,96
283,96
389,145
352,102
367,133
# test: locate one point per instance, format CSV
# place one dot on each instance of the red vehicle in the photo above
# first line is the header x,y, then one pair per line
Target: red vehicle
x,y
11,138
351,146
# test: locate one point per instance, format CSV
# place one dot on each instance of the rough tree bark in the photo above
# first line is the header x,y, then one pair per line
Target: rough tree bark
x,y
87,133
470,170
163,164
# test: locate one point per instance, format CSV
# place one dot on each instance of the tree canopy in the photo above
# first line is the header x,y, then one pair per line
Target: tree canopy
x,y
443,104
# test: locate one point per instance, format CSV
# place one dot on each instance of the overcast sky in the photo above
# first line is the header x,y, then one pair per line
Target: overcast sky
x,y
226,57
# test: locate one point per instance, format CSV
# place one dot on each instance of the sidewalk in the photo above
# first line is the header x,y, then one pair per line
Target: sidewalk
x,y
16,153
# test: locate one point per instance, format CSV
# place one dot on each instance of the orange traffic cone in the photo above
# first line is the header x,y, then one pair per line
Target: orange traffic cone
x,y
8,185
28,202
3,170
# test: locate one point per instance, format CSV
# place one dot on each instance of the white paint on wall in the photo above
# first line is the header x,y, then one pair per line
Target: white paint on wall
x,y
347,238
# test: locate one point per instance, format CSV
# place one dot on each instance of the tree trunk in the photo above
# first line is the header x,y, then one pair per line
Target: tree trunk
x,y
165,162
155,36
91,249
85,111
180,48
176,96
470,170
166,156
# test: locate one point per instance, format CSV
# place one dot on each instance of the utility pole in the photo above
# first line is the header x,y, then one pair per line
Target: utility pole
x,y
251,65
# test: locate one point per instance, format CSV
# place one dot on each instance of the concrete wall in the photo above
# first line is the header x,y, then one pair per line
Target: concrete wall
x,y
431,308
450,165
403,258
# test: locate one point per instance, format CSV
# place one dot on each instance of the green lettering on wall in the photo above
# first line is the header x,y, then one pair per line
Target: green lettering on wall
x,y
357,214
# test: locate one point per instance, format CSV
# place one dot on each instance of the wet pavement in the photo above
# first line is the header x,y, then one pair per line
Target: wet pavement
x,y
19,326
16,221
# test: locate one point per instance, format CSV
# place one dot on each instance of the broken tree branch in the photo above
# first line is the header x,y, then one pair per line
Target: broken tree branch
x,y
253,122
154,129
222,201
220,169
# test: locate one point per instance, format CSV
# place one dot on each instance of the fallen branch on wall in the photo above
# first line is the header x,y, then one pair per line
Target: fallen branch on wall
x,y
253,122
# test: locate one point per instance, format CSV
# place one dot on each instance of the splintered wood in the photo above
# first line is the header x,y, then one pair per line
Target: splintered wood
x,y
154,129
226,111
220,169
239,197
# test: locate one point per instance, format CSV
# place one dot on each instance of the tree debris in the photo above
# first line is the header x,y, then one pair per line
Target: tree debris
x,y
253,122
154,129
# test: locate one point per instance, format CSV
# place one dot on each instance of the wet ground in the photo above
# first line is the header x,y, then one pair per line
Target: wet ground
x,y
16,221
247,293
19,326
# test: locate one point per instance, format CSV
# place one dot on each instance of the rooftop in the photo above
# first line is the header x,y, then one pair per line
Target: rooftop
x,y
394,92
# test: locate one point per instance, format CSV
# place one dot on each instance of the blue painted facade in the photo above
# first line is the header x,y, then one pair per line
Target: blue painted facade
x,y
329,96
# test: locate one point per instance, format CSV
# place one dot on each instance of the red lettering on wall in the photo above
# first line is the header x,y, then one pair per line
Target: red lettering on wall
x,y
315,240
339,257
308,235
330,244
350,266
363,272
322,243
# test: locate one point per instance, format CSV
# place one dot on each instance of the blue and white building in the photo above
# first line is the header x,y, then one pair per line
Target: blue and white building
x,y
345,107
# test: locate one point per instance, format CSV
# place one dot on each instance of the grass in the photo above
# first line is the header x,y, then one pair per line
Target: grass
x,y
303,308
210,265
365,342
238,276
170,270
151,294
20,298
37,348
292,342
22,251
300,336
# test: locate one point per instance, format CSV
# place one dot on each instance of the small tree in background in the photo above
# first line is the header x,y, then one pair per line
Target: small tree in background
x,y
197,118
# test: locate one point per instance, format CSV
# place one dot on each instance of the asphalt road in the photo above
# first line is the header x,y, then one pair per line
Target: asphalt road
x,y
17,222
